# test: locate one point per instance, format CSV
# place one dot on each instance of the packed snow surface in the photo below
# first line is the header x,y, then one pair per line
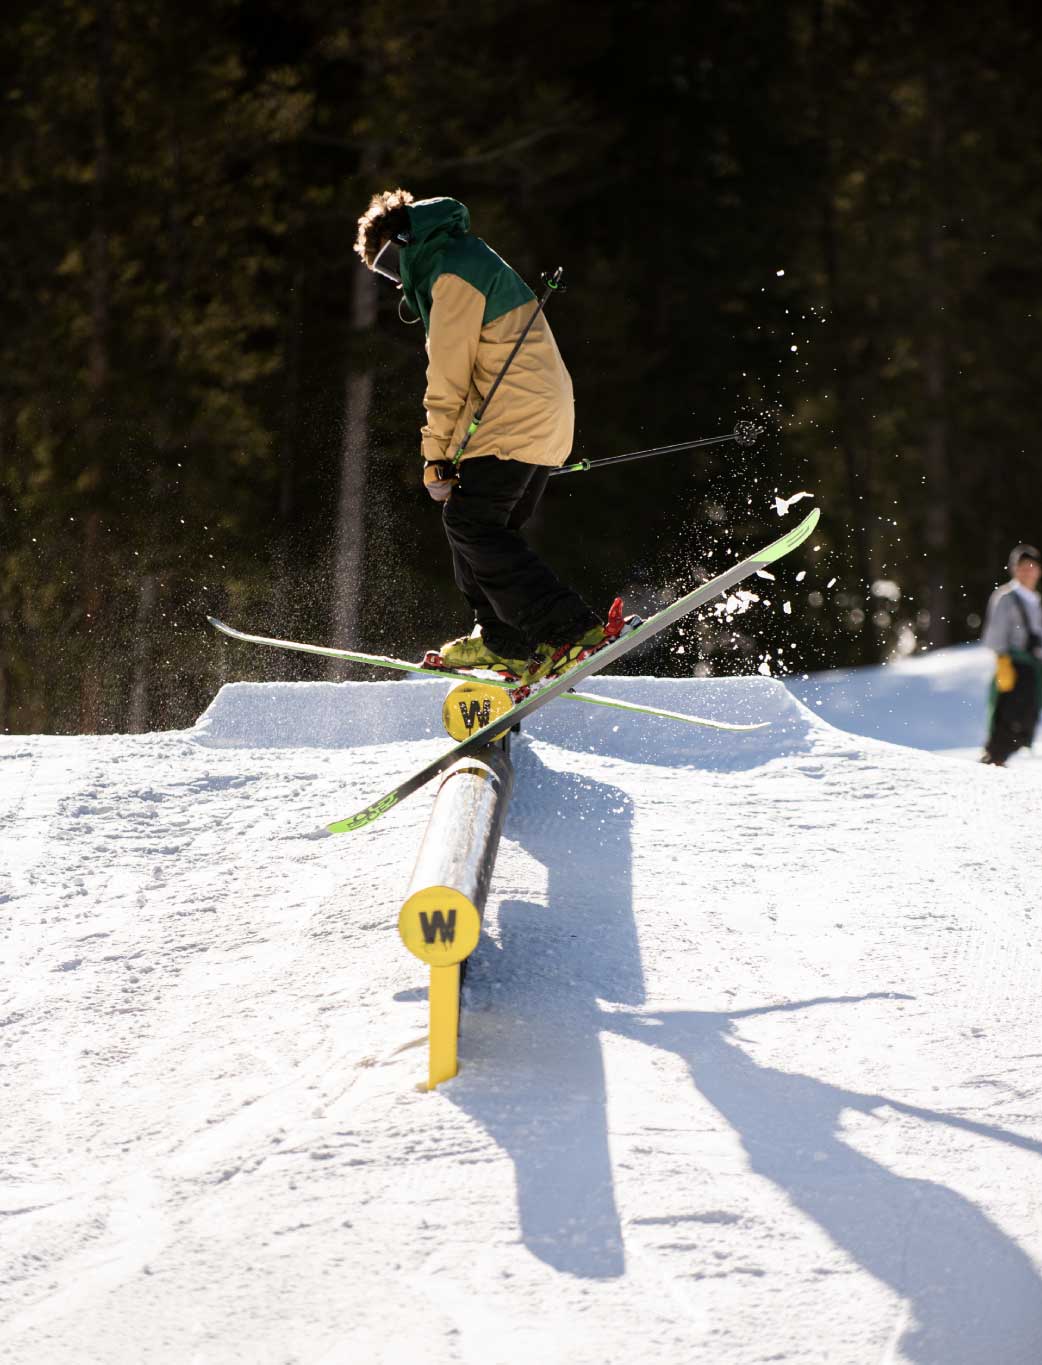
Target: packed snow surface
x,y
930,701
751,1062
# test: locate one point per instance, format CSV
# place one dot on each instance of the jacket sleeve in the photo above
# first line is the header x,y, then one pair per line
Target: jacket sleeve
x,y
457,310
998,623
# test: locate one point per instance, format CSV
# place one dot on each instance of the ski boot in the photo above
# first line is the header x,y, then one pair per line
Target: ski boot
x,y
550,660
471,652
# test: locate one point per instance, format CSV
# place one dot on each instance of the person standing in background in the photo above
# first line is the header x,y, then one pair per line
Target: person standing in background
x,y
1013,629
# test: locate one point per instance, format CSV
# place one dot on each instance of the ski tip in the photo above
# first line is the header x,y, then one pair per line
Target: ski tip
x,y
352,822
789,540
807,524
364,817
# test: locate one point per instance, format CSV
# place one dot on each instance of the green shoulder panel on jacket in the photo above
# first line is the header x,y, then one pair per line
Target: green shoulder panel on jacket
x,y
474,261
443,244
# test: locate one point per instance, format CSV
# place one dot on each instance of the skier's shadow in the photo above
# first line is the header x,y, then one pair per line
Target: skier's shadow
x,y
578,947
974,1297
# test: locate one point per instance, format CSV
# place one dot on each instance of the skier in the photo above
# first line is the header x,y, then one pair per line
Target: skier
x,y
1013,629
473,307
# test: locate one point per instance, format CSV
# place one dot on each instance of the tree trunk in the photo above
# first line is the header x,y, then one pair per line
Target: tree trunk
x,y
98,368
137,711
853,438
349,544
92,626
291,402
7,537
285,588
937,529
6,633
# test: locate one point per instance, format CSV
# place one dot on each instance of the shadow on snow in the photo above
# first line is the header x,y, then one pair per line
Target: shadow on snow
x,y
534,1077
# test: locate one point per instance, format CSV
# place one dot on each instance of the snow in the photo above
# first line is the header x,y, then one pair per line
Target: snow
x,y
750,1059
782,505
930,701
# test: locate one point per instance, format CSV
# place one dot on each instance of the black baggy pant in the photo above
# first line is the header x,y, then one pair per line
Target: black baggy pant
x,y
518,601
1013,717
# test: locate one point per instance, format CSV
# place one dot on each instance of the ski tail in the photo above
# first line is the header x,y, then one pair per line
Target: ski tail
x,y
350,655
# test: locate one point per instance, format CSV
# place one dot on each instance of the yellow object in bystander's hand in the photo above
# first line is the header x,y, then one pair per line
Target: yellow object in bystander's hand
x,y
1005,674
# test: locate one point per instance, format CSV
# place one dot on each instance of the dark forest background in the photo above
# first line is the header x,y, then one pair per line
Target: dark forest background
x,y
825,215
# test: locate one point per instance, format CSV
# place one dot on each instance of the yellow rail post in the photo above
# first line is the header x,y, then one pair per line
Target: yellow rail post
x,y
443,1063
440,919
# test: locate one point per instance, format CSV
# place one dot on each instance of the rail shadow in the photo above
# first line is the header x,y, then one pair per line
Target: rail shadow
x,y
553,963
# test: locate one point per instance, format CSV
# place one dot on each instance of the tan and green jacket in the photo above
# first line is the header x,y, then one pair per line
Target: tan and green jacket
x,y
474,307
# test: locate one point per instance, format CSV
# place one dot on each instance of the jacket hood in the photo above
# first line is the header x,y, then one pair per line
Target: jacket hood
x,y
430,218
435,224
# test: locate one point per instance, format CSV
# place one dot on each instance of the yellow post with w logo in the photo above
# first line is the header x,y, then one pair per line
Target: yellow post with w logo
x,y
440,920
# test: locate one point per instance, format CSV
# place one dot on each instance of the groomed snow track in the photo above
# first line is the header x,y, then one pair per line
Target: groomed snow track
x,y
750,1050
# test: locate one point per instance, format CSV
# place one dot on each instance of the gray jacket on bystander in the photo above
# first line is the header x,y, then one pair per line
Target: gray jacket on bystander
x,y
1006,625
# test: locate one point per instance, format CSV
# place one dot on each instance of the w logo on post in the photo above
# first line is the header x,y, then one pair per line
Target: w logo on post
x,y
436,925
476,714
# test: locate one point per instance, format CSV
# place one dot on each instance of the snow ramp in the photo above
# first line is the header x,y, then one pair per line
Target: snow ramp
x,y
345,715
934,700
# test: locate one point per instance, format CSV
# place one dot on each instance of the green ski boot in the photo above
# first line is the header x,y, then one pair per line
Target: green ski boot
x,y
470,652
553,660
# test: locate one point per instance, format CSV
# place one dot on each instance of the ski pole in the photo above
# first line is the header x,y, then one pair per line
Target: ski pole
x,y
553,285
745,433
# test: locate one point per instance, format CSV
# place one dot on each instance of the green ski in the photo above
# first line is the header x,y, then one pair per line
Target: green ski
x,y
491,680
557,687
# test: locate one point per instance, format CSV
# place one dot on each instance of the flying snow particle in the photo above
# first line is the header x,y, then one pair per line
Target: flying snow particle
x,y
782,505
886,588
735,604
787,608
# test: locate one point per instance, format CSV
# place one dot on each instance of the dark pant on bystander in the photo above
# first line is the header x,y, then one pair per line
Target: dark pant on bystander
x,y
1014,717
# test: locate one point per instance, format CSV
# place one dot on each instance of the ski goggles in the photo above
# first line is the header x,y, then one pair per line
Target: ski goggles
x,y
387,261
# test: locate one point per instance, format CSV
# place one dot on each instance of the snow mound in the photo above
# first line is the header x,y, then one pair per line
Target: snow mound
x,y
935,700
351,714
791,726
319,715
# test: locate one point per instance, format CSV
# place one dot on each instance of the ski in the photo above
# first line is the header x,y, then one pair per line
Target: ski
x,y
490,679
355,657
556,687
634,707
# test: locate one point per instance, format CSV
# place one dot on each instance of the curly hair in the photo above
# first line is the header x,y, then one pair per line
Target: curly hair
x,y
385,215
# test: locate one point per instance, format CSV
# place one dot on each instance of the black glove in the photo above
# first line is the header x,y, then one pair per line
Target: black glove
x,y
439,478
